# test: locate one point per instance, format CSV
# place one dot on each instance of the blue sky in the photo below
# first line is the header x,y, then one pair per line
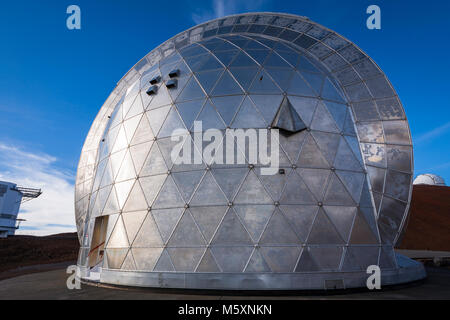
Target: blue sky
x,y
53,80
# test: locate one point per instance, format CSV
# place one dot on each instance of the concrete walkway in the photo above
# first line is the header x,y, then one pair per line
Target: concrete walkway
x,y
52,285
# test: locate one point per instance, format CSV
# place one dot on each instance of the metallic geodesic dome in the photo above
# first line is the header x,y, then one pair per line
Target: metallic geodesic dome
x,y
336,205
429,179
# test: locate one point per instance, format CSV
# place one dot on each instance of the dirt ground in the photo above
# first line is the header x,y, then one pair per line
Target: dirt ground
x,y
429,222
22,252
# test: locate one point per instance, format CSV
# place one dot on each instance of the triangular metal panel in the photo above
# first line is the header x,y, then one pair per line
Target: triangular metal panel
x,y
187,182
300,87
115,257
130,127
231,231
327,258
164,263
123,190
143,132
192,91
126,171
263,84
227,107
345,158
342,218
323,231
306,262
311,156
136,200
186,233
208,263
361,232
226,86
136,108
189,111
353,181
208,79
244,76
151,186
252,191
146,258
111,206
329,91
209,118
281,259
166,220
148,236
248,116
139,154
323,121
229,180
305,107
296,192
232,259
173,126
316,180
281,76
274,184
337,194
169,196
208,219
118,238
185,259
128,264
267,105
133,222
315,80
255,218
278,231
156,118
300,218
338,111
208,193
257,263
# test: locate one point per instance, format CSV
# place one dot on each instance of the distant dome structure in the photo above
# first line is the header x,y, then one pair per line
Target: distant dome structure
x,y
429,179
336,204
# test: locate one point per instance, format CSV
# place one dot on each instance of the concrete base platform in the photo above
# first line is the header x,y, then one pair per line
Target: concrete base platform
x,y
408,271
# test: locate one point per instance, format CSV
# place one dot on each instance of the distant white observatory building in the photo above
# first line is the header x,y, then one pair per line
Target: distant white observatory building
x,y
429,179
11,196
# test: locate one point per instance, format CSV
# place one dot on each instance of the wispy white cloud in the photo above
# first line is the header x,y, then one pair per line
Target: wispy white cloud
x,y
436,132
221,8
53,211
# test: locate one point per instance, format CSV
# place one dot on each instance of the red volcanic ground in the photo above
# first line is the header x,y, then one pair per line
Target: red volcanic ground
x,y
19,253
429,221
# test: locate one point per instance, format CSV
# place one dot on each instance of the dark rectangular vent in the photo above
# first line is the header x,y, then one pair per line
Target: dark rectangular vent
x,y
155,80
172,83
174,73
152,90
337,284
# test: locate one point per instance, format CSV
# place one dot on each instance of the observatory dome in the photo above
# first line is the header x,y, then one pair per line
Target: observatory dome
x,y
430,179
335,204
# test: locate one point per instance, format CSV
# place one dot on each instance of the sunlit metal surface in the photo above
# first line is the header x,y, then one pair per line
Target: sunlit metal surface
x,y
429,179
337,206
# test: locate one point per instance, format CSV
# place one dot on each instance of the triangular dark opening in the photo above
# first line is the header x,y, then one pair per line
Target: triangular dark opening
x,y
287,119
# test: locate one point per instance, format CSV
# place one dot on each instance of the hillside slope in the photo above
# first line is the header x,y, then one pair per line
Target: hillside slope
x,y
429,222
